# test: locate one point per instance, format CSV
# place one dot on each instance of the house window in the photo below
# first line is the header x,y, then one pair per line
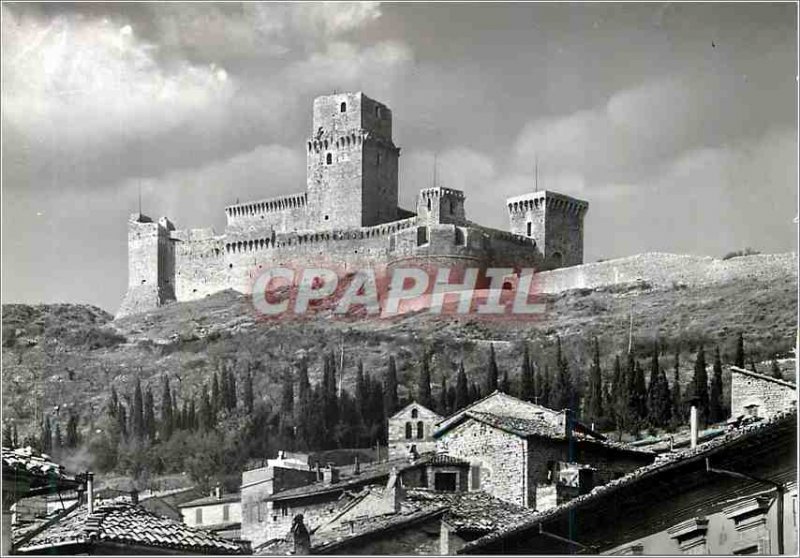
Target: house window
x,y
751,410
420,430
444,482
328,159
460,238
530,228
408,430
343,107
414,413
198,516
475,474
226,515
422,235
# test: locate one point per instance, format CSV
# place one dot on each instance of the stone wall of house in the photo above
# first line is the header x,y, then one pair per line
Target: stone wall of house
x,y
212,514
497,459
770,396
404,431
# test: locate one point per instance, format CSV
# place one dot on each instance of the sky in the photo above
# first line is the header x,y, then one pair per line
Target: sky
x,y
677,122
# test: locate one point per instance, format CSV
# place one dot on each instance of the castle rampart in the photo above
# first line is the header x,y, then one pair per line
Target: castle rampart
x,y
348,216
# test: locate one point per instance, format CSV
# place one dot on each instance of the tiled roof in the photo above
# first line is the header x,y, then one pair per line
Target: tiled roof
x,y
211,500
35,466
442,459
540,428
120,521
474,511
370,473
664,463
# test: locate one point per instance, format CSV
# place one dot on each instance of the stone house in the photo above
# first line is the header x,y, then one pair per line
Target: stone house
x,y
410,430
219,513
758,395
735,494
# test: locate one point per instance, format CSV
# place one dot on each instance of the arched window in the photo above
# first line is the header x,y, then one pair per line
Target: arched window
x,y
329,159
530,225
420,430
343,107
408,431
414,413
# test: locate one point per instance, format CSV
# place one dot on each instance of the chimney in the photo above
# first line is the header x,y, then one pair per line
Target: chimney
x,y
693,422
300,536
218,492
134,496
393,495
330,475
90,492
357,466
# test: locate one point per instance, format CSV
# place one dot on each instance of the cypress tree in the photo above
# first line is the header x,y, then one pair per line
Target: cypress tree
x,y
653,387
594,397
47,436
546,390
391,400
444,408
167,422
215,397
122,420
678,408
206,412
137,413
72,431
232,392
149,416
58,439
505,383
249,398
561,392
619,394
700,385
474,392
527,390
113,403
462,388
361,390
8,440
738,359
716,410
492,373
451,398
424,383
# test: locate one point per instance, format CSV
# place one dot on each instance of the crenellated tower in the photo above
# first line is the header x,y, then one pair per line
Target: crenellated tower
x,y
351,163
554,221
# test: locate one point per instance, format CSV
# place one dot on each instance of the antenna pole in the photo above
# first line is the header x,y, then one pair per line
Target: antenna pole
x,y
536,173
630,331
140,197
435,167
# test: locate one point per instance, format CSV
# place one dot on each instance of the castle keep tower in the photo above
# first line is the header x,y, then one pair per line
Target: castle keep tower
x,y
151,265
554,221
351,163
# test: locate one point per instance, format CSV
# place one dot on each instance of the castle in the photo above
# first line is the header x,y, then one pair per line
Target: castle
x,y
349,216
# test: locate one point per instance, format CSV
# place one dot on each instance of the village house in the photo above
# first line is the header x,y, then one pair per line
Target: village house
x,y
757,395
120,526
529,455
410,430
735,494
27,475
218,513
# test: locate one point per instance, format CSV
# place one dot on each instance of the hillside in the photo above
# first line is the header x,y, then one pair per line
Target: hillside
x,y
62,358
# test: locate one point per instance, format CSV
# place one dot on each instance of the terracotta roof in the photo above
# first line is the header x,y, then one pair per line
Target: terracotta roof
x,y
764,377
370,473
474,511
527,428
442,459
36,467
665,463
120,521
211,500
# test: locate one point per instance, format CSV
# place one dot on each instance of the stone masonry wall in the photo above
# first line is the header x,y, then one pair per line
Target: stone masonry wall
x,y
500,457
399,444
770,395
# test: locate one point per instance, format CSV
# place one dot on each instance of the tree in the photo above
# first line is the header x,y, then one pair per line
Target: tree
x,y
776,370
619,403
424,384
700,385
444,408
716,409
462,389
72,440
137,412
167,420
562,392
391,400
249,397
206,419
58,439
47,436
149,416
215,397
527,381
505,383
594,397
544,396
113,403
738,359
492,373
8,437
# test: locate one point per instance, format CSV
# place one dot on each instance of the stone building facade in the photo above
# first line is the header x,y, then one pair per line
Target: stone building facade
x,y
758,395
410,431
349,217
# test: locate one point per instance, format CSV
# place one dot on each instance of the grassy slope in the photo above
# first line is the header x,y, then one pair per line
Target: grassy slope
x,y
62,357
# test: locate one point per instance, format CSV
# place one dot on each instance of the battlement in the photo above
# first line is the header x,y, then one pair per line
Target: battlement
x,y
254,208
342,112
440,191
546,199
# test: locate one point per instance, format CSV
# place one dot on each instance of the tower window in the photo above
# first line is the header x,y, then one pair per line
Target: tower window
x,y
328,159
378,112
429,204
529,228
343,107
408,430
